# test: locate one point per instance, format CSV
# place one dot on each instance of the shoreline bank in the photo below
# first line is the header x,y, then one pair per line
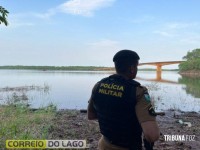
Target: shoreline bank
x,y
72,68
190,73
71,124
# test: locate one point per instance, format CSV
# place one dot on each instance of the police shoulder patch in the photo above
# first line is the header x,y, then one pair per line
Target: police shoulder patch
x,y
147,97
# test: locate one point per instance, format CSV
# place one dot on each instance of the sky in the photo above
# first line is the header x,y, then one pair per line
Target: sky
x,y
90,32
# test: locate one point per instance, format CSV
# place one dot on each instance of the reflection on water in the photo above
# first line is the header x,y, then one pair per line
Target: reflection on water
x,y
158,78
167,76
72,89
192,85
168,92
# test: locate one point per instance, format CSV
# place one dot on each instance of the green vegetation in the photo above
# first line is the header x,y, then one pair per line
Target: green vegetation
x,y
192,85
70,68
73,68
192,61
21,122
3,15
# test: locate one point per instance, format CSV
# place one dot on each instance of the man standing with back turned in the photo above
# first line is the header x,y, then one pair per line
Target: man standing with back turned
x,y
123,107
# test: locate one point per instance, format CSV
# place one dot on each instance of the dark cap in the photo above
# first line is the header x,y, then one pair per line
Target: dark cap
x,y
124,55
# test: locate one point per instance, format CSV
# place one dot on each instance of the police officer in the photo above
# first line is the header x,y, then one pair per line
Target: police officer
x,y
123,107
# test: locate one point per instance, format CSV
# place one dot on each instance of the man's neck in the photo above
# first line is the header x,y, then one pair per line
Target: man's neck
x,y
124,76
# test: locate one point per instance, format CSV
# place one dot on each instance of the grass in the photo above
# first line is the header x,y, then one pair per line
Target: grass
x,y
21,123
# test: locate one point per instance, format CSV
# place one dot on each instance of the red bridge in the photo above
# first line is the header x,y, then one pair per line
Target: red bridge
x,y
159,66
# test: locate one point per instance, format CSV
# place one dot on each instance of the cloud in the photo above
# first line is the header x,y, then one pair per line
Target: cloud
x,y
16,24
177,29
47,15
76,7
105,43
17,20
176,25
101,51
194,39
164,33
84,7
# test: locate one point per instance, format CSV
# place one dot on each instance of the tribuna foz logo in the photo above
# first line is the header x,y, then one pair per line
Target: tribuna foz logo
x,y
179,138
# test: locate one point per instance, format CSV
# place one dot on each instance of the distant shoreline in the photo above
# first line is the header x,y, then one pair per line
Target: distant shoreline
x,y
71,68
190,73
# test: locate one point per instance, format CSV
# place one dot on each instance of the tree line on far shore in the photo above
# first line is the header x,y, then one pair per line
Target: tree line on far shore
x,y
192,61
69,68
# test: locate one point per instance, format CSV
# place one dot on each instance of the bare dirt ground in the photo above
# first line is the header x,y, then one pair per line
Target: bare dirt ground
x,y
71,124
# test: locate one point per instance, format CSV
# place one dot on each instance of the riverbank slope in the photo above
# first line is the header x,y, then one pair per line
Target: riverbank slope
x,y
22,123
71,124
190,73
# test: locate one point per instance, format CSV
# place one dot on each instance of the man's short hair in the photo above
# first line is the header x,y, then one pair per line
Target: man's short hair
x,y
124,59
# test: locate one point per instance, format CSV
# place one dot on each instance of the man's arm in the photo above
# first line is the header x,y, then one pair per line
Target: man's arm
x,y
145,116
150,130
91,113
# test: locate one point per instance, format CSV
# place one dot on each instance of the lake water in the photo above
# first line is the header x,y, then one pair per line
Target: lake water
x,y
72,89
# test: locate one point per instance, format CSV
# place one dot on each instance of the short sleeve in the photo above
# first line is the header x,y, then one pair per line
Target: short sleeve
x,y
143,106
93,92
91,100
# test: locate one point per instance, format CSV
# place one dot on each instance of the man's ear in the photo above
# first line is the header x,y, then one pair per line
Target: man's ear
x,y
132,69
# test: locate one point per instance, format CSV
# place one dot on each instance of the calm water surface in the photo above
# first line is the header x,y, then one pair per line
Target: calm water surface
x,y
72,89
